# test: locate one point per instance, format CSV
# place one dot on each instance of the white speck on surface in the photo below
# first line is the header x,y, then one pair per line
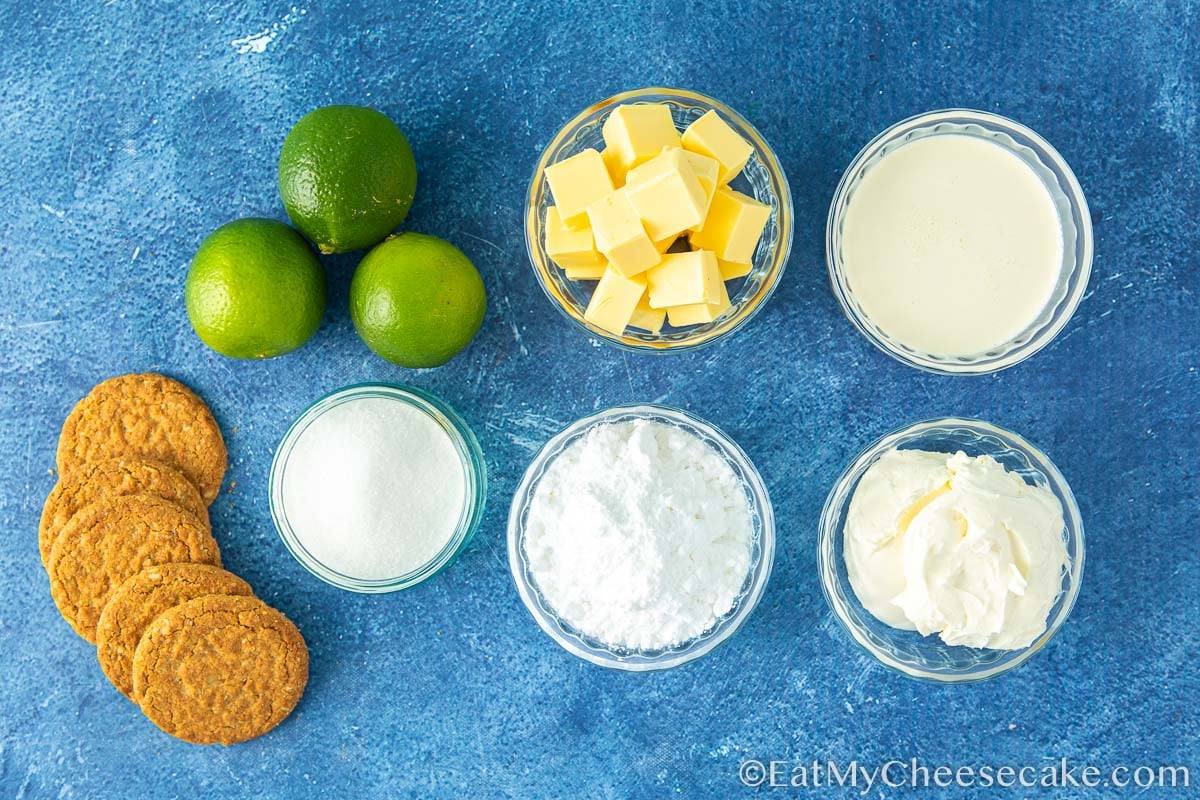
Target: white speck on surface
x,y
254,43
1176,106
482,240
259,41
527,430
20,326
517,337
49,209
512,323
726,748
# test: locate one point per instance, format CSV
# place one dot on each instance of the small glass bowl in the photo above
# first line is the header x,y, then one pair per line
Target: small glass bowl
x,y
927,657
474,474
762,179
1074,218
762,548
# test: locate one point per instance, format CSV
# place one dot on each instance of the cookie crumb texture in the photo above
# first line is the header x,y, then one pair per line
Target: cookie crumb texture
x,y
220,669
151,416
141,599
113,477
108,541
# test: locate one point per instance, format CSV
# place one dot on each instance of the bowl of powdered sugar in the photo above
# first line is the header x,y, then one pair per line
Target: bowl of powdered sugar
x,y
641,537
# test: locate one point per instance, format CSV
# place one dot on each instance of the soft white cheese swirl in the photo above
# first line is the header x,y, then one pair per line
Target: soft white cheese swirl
x,y
957,546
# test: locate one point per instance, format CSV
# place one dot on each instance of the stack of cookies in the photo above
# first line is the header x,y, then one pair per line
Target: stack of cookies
x,y
135,570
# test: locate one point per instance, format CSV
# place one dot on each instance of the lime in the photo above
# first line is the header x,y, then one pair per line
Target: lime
x,y
255,289
416,300
347,177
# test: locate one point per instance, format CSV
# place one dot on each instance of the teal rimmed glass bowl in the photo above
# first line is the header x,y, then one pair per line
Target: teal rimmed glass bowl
x,y
474,484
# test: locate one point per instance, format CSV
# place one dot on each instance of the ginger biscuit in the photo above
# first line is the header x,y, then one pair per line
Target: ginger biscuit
x,y
112,539
151,416
220,669
141,598
113,477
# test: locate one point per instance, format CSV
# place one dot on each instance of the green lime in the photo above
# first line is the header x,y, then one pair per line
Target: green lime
x,y
347,177
255,289
416,300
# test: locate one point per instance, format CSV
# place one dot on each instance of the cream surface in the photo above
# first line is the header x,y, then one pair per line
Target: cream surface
x,y
955,545
952,245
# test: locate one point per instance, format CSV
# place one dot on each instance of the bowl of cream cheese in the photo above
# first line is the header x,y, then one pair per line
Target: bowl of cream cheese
x,y
951,550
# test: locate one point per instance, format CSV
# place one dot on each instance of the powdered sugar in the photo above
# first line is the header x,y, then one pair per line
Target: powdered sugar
x,y
639,535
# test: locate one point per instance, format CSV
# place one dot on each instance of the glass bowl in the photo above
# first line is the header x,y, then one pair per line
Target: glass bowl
x,y
927,657
474,473
1074,218
762,545
762,179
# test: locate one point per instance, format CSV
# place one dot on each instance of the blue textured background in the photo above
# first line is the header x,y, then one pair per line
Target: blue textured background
x,y
131,130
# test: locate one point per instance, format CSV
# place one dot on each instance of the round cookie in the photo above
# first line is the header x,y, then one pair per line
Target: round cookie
x,y
141,598
151,416
220,669
113,477
112,539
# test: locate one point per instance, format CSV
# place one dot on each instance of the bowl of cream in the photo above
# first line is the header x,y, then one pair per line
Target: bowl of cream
x,y
959,241
951,550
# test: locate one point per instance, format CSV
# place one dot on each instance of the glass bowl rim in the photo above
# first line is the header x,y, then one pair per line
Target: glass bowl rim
x,y
759,571
1080,273
465,443
826,547
779,256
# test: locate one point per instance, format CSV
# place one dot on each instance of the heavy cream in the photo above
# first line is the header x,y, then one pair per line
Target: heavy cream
x,y
952,245
955,545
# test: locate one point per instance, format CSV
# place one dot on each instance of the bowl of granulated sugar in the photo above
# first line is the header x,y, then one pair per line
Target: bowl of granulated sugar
x,y
641,538
377,487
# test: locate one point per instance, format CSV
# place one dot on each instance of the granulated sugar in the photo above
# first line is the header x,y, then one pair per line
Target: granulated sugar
x,y
639,535
374,488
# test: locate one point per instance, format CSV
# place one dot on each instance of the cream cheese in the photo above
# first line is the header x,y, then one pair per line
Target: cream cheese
x,y
955,545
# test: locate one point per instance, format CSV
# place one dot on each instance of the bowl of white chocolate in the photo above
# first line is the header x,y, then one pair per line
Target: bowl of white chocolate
x,y
951,550
658,219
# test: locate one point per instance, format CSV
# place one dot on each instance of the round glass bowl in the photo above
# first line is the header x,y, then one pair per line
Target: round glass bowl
x,y
762,547
762,179
908,652
1074,219
474,475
